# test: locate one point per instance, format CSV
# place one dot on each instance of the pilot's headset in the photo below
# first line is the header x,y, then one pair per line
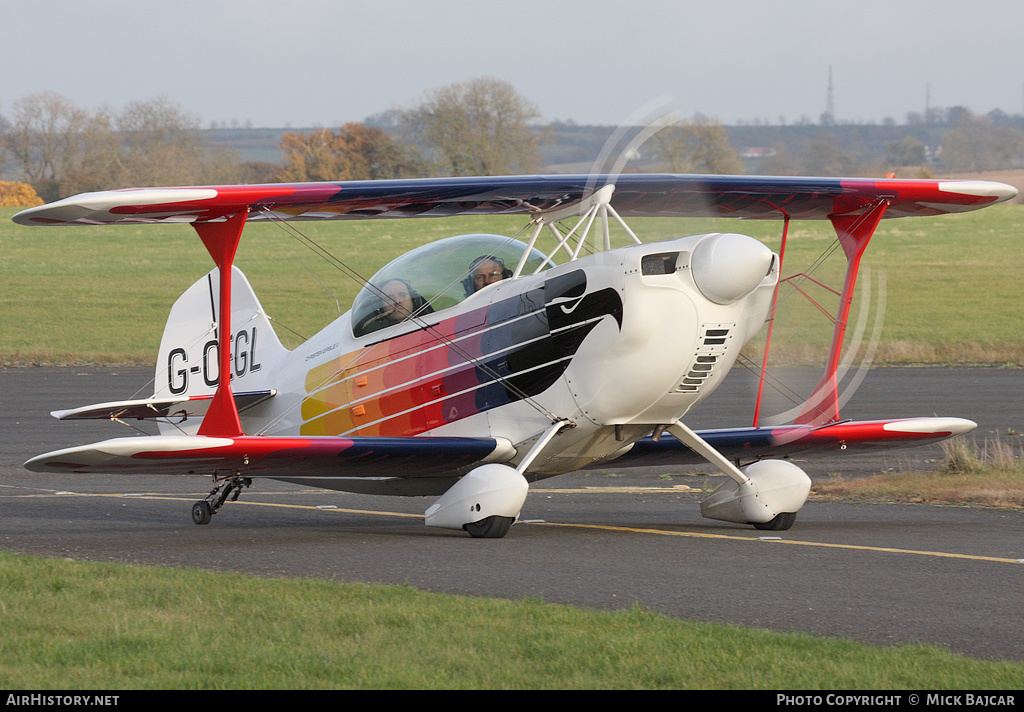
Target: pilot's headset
x,y
468,284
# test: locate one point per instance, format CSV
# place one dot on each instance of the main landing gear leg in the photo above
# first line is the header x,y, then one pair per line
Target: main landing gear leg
x,y
231,487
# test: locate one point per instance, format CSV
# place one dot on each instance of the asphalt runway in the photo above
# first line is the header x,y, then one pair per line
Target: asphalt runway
x,y
881,574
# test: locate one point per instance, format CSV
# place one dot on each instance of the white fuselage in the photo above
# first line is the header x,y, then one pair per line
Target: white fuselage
x,y
617,343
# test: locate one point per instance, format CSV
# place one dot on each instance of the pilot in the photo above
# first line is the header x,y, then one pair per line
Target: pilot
x,y
486,269
398,300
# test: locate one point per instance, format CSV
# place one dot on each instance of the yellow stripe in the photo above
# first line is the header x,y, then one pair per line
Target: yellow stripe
x,y
764,538
773,539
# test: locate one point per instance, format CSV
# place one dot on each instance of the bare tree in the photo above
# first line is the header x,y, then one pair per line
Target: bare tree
x,y
779,162
95,164
161,144
974,144
698,145
823,157
908,151
61,149
43,135
478,127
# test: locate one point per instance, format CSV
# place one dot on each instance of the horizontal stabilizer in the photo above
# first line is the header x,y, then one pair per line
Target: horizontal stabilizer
x,y
181,409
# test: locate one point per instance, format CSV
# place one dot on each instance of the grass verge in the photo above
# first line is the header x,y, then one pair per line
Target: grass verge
x,y
990,474
78,625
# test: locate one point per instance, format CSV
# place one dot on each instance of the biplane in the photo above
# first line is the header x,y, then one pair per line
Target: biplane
x,y
478,364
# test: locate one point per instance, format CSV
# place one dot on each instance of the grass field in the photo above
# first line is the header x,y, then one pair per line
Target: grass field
x,y
101,295
952,284
86,626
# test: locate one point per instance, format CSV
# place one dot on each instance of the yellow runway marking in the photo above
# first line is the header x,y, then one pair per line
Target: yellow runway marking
x,y
194,497
773,539
316,508
617,490
763,538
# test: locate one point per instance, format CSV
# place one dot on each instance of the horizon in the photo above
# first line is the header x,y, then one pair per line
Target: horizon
x,y
324,63
740,124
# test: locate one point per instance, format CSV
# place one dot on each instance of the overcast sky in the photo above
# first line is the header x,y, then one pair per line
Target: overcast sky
x,y
301,63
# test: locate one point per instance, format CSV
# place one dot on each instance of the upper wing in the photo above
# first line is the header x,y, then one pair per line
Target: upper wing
x,y
635,195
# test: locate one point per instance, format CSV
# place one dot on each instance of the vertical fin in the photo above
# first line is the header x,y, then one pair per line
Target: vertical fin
x,y
221,240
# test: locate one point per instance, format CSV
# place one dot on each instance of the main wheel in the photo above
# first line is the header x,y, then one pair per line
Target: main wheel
x,y
490,528
779,523
201,512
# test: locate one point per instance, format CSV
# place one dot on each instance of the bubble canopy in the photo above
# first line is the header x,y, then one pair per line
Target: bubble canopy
x,y
433,277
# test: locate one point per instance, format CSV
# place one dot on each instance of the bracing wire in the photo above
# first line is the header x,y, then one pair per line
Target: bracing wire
x,y
794,287
339,264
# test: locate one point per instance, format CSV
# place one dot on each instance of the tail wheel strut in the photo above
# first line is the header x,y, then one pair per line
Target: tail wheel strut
x,y
230,488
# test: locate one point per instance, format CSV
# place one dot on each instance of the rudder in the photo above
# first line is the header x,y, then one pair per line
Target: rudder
x,y
187,362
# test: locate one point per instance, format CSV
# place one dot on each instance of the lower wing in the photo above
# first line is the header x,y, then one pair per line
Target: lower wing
x,y
334,461
423,465
749,444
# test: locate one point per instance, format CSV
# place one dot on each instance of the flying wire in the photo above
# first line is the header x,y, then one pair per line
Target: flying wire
x,y
793,287
417,319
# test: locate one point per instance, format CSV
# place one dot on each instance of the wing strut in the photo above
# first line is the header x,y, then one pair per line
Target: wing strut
x,y
221,240
696,443
595,206
855,232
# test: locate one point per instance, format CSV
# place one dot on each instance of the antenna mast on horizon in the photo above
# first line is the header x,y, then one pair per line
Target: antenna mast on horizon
x,y
830,107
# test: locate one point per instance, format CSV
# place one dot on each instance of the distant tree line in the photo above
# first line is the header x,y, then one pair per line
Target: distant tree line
x,y
698,145
972,143
353,152
61,149
975,143
479,127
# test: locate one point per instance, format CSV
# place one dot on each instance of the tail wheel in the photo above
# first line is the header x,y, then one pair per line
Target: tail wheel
x,y
779,523
490,528
202,512
228,489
